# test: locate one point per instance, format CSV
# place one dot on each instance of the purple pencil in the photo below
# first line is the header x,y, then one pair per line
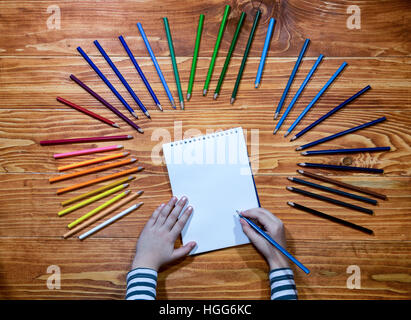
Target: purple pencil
x,y
105,103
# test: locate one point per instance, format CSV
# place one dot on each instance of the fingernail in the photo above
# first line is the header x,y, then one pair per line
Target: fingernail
x,y
189,208
184,198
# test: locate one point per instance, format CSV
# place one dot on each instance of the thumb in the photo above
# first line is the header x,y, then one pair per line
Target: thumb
x,y
249,232
183,251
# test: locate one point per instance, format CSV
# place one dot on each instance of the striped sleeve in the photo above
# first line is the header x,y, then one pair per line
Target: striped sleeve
x,y
141,284
282,284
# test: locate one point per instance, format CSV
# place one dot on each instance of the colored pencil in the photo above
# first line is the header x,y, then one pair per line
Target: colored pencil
x,y
96,191
229,54
98,209
332,190
342,184
107,82
245,56
330,113
330,200
86,151
110,221
291,78
93,161
342,168
274,243
122,79
102,214
195,56
140,72
337,151
105,103
92,170
93,199
341,133
297,95
87,112
264,52
156,65
216,47
316,98
83,140
331,218
98,180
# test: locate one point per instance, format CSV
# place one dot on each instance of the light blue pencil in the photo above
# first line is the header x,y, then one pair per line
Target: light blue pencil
x,y
156,65
297,95
319,94
265,51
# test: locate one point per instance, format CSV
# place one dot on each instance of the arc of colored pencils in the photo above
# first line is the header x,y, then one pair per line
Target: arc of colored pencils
x,y
87,112
81,140
297,95
216,47
105,103
330,113
195,56
229,54
245,56
264,52
319,94
291,79
102,214
337,151
110,221
156,65
140,72
107,82
174,62
122,79
98,209
86,151
93,161
337,167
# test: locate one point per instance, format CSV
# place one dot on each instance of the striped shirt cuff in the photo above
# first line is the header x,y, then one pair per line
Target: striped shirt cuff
x,y
141,284
282,284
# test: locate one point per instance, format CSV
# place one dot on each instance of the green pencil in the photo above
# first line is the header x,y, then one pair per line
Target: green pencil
x,y
195,56
247,49
217,45
174,62
230,52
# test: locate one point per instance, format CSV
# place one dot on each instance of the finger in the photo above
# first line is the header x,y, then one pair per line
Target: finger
x,y
166,211
249,232
181,222
262,216
183,251
155,214
173,216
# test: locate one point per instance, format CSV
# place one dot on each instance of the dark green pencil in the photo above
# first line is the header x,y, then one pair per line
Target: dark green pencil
x,y
247,49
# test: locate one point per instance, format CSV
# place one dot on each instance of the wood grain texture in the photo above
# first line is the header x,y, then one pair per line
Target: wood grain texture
x,y
35,64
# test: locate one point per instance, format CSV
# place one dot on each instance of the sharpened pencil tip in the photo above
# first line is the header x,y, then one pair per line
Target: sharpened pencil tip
x,y
140,168
134,115
204,92
286,134
304,153
298,149
119,146
215,96
232,100
140,130
300,171
147,114
302,164
290,178
275,115
188,96
159,107
133,160
290,203
182,105
115,125
126,153
173,105
129,136
140,192
275,131
257,85
293,138
289,188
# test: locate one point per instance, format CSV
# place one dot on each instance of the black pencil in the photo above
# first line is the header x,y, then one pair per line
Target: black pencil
x,y
330,200
342,168
331,218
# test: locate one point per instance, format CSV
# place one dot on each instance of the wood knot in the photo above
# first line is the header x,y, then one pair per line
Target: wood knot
x,y
346,161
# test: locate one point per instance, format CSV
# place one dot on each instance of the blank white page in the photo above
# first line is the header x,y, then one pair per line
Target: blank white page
x,y
214,172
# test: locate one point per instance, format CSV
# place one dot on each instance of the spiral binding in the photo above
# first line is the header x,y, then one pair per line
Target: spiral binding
x,y
205,137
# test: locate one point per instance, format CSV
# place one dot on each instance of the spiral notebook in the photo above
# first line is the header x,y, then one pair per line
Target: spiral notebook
x,y
214,172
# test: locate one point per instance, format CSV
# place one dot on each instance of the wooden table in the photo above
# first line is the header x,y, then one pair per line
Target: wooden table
x,y
35,66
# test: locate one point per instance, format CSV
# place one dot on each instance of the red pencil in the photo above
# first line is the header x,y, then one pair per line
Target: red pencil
x,y
77,140
87,112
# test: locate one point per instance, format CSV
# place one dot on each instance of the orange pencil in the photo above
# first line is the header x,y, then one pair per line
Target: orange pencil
x,y
92,170
92,161
101,179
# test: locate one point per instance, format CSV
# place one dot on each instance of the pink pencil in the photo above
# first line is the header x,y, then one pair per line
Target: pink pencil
x,y
78,140
86,151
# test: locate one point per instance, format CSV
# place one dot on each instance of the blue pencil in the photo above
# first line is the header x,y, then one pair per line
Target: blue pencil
x,y
297,95
342,168
274,243
156,65
108,83
291,79
140,72
341,133
319,94
265,51
337,151
122,79
330,113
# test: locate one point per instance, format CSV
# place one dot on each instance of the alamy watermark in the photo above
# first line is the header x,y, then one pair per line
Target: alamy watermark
x,y
354,20
54,280
54,20
354,280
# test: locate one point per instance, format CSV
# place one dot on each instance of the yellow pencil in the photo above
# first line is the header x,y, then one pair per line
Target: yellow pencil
x,y
98,209
92,161
93,199
98,190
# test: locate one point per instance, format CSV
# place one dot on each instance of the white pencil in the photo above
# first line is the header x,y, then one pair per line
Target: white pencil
x,y
109,221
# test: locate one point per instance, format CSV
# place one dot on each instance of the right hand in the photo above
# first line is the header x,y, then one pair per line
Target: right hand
x,y
271,225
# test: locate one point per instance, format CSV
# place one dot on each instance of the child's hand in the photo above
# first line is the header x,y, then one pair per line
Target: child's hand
x,y
155,247
274,228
